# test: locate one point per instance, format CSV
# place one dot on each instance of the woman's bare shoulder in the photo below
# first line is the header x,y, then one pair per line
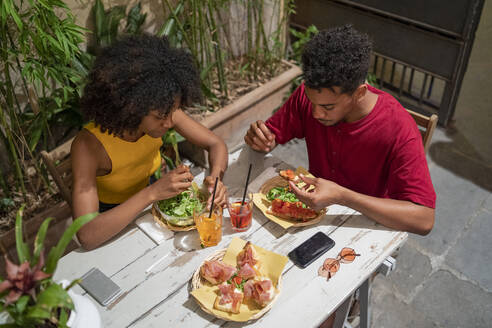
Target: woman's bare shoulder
x,y
87,146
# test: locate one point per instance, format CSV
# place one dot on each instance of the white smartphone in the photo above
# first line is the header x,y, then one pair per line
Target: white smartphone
x,y
100,287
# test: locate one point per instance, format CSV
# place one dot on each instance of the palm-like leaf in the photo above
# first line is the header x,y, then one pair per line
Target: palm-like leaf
x,y
57,251
135,19
39,241
22,249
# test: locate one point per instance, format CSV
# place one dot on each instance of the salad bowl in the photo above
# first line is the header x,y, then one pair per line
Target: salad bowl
x,y
176,213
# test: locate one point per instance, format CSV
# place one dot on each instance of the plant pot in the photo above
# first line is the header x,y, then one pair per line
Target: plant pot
x,y
231,122
85,313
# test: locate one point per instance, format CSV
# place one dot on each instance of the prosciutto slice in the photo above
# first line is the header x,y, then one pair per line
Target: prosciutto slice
x,y
259,291
217,272
228,295
246,271
247,255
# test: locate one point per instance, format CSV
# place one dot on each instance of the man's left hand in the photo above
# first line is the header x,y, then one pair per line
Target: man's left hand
x,y
325,192
220,193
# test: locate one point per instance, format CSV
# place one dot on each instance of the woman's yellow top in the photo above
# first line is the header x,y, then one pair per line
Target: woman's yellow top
x,y
132,163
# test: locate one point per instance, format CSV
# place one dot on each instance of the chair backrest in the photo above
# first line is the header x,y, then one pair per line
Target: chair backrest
x,y
59,164
426,124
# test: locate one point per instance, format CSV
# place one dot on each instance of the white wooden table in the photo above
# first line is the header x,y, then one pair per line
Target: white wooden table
x,y
155,277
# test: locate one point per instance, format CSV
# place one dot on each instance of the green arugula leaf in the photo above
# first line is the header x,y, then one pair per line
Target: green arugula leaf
x,y
284,194
181,205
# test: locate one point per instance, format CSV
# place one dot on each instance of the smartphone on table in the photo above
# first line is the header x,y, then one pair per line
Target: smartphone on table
x,y
100,287
307,252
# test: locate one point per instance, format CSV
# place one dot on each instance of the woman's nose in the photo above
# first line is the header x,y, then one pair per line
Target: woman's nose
x,y
167,123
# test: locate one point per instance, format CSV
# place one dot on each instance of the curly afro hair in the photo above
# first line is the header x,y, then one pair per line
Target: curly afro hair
x,y
337,57
135,75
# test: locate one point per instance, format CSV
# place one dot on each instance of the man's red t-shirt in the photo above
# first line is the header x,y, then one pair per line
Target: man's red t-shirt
x,y
380,155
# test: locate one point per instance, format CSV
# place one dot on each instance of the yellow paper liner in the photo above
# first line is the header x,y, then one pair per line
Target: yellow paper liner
x,y
271,266
260,200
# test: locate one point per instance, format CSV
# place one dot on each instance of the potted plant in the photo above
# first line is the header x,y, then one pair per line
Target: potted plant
x,y
29,297
239,47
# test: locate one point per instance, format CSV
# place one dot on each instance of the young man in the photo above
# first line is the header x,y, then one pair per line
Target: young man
x,y
134,95
363,147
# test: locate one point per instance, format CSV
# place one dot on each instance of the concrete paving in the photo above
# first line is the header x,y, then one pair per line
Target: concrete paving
x,y
444,279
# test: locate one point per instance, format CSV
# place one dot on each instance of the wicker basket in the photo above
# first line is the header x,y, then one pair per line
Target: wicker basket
x,y
278,181
197,281
163,222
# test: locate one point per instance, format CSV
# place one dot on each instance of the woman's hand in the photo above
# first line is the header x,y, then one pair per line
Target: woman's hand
x,y
172,183
220,193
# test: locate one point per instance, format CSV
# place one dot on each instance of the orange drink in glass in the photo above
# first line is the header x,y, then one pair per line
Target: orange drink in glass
x,y
209,228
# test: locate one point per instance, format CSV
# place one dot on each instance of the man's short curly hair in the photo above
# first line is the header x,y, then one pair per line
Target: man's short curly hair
x,y
337,57
135,75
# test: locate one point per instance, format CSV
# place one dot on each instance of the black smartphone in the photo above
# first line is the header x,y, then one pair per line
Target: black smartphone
x,y
304,254
101,287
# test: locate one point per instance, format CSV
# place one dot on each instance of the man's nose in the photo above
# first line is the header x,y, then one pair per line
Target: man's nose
x,y
317,112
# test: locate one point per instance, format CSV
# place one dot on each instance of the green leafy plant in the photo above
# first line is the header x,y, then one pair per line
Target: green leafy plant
x,y
302,37
107,21
40,77
6,203
29,294
203,27
171,140
169,150
372,79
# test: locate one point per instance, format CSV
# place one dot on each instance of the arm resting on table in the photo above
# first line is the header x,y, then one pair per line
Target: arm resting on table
x,y
397,214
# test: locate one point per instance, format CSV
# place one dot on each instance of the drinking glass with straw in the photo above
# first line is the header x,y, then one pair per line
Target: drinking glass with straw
x,y
241,209
209,222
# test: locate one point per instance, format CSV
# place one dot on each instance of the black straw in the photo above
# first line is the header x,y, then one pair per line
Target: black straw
x,y
246,187
213,197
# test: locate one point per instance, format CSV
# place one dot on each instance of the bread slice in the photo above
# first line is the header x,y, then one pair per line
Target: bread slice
x,y
252,292
271,292
227,307
282,216
312,214
254,254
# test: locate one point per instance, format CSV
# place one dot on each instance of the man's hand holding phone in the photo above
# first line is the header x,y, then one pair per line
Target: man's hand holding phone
x,y
259,137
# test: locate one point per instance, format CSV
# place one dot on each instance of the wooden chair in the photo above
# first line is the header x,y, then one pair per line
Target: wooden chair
x,y
59,164
426,124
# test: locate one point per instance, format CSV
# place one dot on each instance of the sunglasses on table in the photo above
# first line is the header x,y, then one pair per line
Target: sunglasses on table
x,y
331,266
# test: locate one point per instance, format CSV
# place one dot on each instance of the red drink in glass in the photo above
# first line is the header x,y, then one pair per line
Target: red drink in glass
x,y
241,216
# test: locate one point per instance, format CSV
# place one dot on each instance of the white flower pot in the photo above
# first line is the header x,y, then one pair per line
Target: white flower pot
x,y
85,313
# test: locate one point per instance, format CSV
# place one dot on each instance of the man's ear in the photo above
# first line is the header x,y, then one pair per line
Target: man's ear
x,y
359,93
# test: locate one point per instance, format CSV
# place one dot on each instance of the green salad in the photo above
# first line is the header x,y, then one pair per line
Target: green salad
x,y
284,194
179,209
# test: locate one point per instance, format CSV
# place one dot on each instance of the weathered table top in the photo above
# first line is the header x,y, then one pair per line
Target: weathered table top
x,y
155,277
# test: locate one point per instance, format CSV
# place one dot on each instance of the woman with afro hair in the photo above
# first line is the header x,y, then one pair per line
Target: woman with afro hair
x,y
134,95
364,148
